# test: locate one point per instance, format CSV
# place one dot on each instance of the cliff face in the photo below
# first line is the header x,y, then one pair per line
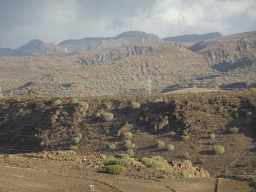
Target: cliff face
x,y
113,54
232,51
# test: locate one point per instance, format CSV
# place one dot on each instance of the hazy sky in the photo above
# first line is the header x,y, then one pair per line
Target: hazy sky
x,y
53,21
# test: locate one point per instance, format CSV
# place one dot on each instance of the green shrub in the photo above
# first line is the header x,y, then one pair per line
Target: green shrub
x,y
83,104
127,142
56,102
76,139
108,116
41,144
79,135
157,157
123,155
172,134
233,130
187,162
221,108
73,148
126,135
122,161
108,105
129,146
184,175
160,99
212,136
252,89
160,144
186,155
115,169
184,137
112,146
130,152
218,149
164,176
234,109
135,105
74,101
110,157
102,156
170,147
207,173
248,114
153,163
97,114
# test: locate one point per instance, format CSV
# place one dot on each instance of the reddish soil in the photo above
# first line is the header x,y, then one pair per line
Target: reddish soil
x,y
27,121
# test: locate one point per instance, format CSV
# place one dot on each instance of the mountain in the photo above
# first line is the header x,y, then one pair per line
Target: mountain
x,y
47,48
31,47
12,52
193,37
126,38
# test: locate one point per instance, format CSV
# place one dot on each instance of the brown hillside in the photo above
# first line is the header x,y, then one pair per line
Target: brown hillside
x,y
232,51
196,115
47,48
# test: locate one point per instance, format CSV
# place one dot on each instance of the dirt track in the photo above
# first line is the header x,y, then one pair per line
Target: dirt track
x,y
14,178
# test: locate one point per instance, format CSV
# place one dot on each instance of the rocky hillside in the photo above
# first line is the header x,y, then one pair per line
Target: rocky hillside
x,y
49,48
232,52
114,54
126,38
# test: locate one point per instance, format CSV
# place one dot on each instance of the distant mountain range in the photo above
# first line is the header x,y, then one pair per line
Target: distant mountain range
x,y
193,37
90,43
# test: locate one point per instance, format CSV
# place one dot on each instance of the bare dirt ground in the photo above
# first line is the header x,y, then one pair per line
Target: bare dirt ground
x,y
35,134
48,175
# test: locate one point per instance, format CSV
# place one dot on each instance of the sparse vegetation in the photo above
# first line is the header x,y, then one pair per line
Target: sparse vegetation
x,y
115,169
184,137
170,147
79,135
212,136
153,163
83,104
187,162
160,144
164,176
218,149
135,105
130,152
112,146
172,134
76,139
73,148
56,102
126,135
233,130
108,116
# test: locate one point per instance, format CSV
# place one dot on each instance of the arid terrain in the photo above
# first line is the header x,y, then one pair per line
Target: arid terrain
x,y
39,152
157,116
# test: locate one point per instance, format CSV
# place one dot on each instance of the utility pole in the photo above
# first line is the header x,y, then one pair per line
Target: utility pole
x,y
149,86
0,92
